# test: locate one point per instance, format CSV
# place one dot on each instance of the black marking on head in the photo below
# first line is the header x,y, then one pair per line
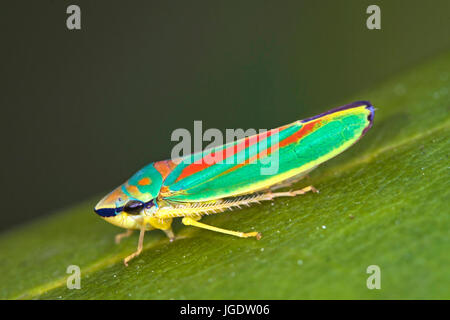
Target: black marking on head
x,y
133,207
108,212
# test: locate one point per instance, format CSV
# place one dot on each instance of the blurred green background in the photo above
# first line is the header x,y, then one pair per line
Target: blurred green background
x,y
83,110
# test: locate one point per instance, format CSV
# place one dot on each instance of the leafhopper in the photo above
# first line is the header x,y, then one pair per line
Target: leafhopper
x,y
231,175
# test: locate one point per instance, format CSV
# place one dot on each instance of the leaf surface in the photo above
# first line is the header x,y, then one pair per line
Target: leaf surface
x,y
384,202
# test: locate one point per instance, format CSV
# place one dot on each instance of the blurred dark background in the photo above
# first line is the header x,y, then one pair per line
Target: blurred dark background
x,y
83,110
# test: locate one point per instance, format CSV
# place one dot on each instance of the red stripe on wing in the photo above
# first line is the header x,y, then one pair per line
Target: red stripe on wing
x,y
295,137
200,164
304,130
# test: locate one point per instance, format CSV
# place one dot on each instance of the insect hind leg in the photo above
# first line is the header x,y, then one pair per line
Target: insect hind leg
x,y
188,221
271,195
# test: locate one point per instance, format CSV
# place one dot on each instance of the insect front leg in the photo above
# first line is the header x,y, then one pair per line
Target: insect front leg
x,y
139,249
188,221
125,234
150,223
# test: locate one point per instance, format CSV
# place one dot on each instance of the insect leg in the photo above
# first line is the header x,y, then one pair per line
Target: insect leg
x,y
139,249
193,209
192,222
270,195
125,234
170,234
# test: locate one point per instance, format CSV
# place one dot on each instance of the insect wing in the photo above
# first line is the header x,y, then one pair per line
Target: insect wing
x,y
258,162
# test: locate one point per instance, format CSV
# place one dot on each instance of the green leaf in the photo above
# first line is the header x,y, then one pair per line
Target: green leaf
x,y
383,202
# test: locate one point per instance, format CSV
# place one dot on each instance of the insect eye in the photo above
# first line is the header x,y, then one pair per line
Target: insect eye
x,y
133,207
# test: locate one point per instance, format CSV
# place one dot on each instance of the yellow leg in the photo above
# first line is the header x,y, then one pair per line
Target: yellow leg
x,y
139,249
192,222
125,234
